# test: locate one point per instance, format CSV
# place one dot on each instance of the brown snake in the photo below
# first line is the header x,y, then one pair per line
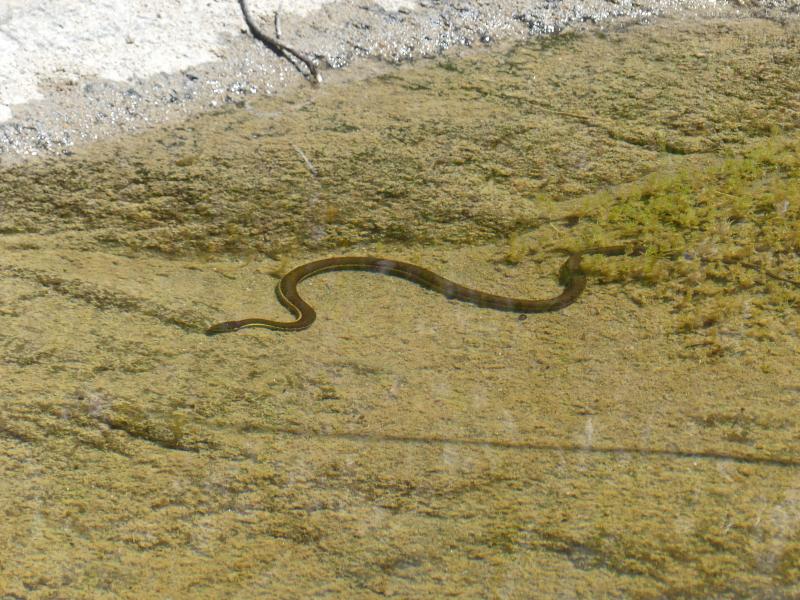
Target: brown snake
x,y
571,276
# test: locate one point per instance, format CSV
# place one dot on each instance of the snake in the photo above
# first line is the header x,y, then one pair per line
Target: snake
x,y
571,277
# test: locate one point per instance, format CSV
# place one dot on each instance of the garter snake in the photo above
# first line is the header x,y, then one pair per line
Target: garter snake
x,y
571,276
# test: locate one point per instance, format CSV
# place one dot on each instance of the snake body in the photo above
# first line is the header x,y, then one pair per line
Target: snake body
x,y
571,276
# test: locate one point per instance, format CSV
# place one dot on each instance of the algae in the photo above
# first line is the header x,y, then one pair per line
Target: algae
x,y
641,443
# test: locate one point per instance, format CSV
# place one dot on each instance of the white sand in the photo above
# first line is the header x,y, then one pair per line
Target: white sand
x,y
117,40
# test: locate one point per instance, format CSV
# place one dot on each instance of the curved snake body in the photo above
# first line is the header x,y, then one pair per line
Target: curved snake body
x,y
571,276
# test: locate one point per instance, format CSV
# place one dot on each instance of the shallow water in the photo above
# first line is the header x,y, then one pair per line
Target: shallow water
x,y
405,445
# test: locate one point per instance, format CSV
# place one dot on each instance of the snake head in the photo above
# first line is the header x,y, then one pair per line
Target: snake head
x,y
226,327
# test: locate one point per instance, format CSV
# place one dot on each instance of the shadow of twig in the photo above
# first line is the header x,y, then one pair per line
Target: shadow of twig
x,y
775,461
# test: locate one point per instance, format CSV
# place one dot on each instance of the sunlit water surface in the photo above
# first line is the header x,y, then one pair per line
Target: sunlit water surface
x,y
641,443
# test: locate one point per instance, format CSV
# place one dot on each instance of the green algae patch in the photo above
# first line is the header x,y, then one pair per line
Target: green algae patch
x,y
722,238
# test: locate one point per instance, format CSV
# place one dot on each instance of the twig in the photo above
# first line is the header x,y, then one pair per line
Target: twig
x,y
278,47
305,160
779,278
771,274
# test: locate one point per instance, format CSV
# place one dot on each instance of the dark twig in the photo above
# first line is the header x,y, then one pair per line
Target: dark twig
x,y
762,269
279,47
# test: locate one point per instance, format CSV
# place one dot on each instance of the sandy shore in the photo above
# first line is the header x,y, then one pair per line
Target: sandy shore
x,y
72,71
